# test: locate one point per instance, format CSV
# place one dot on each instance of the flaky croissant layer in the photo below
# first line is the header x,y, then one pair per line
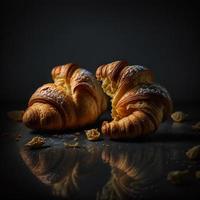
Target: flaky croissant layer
x,y
138,104
73,100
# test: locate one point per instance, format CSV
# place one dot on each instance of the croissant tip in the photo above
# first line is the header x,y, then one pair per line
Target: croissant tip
x,y
104,128
31,120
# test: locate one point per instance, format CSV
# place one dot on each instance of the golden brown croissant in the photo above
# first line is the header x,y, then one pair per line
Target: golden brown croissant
x,y
75,99
138,105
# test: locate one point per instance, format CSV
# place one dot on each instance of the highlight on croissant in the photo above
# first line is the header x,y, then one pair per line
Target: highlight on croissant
x,y
76,98
73,100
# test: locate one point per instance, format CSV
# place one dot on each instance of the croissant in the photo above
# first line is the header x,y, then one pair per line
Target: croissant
x,y
138,104
75,99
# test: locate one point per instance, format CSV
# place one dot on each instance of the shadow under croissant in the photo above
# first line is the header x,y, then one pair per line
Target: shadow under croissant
x,y
167,132
69,170
104,117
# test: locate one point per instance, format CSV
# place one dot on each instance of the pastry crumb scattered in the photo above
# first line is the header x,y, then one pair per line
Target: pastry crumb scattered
x,y
92,134
18,136
35,142
16,115
196,126
193,153
177,177
178,116
72,145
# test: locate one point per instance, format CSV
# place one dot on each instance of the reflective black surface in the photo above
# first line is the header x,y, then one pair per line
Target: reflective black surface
x,y
104,169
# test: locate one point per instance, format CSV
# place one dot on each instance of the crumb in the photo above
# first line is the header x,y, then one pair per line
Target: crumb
x,y
74,145
35,142
18,136
16,115
196,126
177,177
178,116
197,174
193,153
93,134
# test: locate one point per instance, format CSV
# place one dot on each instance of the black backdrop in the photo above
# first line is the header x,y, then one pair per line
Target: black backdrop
x,y
37,35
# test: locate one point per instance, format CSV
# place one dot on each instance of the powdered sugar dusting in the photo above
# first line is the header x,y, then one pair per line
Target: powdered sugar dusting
x,y
85,72
129,72
133,69
153,89
53,94
138,68
84,75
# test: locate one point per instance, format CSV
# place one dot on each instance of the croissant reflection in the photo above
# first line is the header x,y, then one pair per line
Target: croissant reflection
x,y
98,171
132,172
59,167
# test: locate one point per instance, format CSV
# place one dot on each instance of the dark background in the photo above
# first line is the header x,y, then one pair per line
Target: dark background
x,y
37,35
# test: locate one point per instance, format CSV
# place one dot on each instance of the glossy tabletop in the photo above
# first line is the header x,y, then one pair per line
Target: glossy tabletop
x,y
105,169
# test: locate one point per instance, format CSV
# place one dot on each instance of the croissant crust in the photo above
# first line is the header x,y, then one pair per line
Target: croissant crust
x,y
138,104
73,100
